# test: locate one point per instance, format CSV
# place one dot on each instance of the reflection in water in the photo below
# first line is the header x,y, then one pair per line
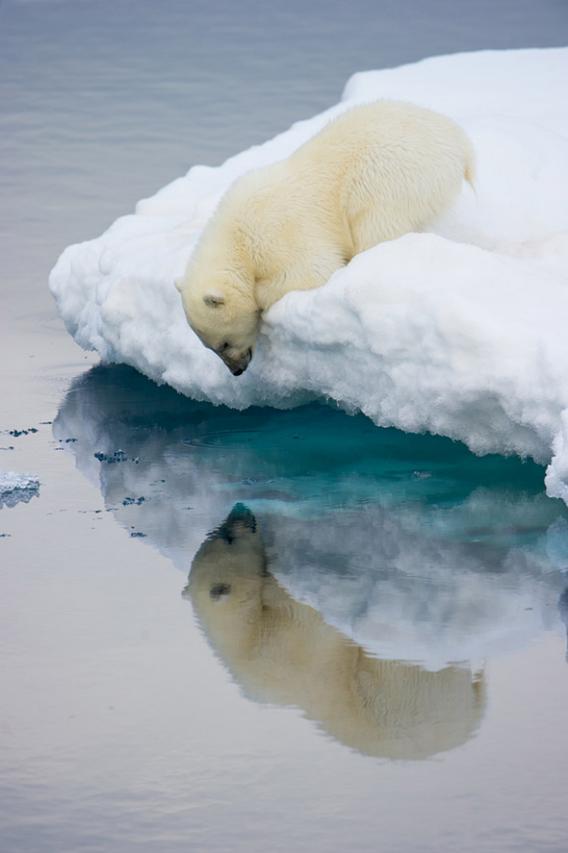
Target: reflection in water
x,y
282,651
429,559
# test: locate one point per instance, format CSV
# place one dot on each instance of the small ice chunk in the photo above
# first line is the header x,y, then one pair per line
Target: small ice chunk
x,y
16,488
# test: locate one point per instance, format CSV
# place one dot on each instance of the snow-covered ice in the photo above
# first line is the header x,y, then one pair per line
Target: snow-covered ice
x,y
460,332
16,488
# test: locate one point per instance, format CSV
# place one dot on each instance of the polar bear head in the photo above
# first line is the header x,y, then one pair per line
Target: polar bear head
x,y
222,313
227,581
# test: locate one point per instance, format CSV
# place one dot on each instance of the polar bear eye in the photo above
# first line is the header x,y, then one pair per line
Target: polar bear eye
x,y
218,590
224,347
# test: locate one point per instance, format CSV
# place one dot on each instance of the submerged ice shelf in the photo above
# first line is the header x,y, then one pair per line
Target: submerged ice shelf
x,y
409,545
459,332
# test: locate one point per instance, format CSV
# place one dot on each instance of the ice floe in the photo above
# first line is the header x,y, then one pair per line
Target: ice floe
x,y
460,332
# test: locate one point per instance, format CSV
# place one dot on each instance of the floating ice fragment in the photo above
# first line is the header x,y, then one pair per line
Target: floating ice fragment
x,y
17,488
16,433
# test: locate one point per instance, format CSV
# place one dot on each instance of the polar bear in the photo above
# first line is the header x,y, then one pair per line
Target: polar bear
x,y
376,172
281,651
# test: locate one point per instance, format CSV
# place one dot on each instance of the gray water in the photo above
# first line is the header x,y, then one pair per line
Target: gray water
x,y
369,650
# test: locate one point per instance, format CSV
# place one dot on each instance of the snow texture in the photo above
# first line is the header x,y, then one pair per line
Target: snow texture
x,y
16,488
460,332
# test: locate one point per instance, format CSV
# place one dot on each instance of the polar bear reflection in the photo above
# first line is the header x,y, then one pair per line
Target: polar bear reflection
x,y
282,651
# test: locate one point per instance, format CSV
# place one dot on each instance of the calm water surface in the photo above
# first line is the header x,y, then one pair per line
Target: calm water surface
x,y
260,631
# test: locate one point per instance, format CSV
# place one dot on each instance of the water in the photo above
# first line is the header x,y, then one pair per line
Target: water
x,y
262,630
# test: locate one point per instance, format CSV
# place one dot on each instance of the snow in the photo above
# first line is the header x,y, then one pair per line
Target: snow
x,y
460,332
16,488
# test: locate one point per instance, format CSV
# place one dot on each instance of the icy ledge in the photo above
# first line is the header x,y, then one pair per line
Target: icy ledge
x,y
461,332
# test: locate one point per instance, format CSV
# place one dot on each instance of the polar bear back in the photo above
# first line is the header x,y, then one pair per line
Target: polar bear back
x,y
374,173
395,166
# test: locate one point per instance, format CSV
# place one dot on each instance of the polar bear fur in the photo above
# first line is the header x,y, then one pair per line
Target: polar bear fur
x,y
281,651
374,173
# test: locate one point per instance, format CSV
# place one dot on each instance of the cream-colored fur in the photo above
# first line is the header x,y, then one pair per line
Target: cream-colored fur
x,y
374,173
283,652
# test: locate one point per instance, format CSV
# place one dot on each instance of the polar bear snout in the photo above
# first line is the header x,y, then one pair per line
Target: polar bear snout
x,y
239,364
239,521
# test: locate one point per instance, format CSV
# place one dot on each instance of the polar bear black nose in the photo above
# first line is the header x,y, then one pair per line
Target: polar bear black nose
x,y
238,366
218,590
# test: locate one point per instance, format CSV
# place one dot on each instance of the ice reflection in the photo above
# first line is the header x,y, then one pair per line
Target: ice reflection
x,y
410,546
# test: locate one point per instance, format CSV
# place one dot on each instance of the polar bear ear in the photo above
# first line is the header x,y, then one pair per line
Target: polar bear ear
x,y
213,300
